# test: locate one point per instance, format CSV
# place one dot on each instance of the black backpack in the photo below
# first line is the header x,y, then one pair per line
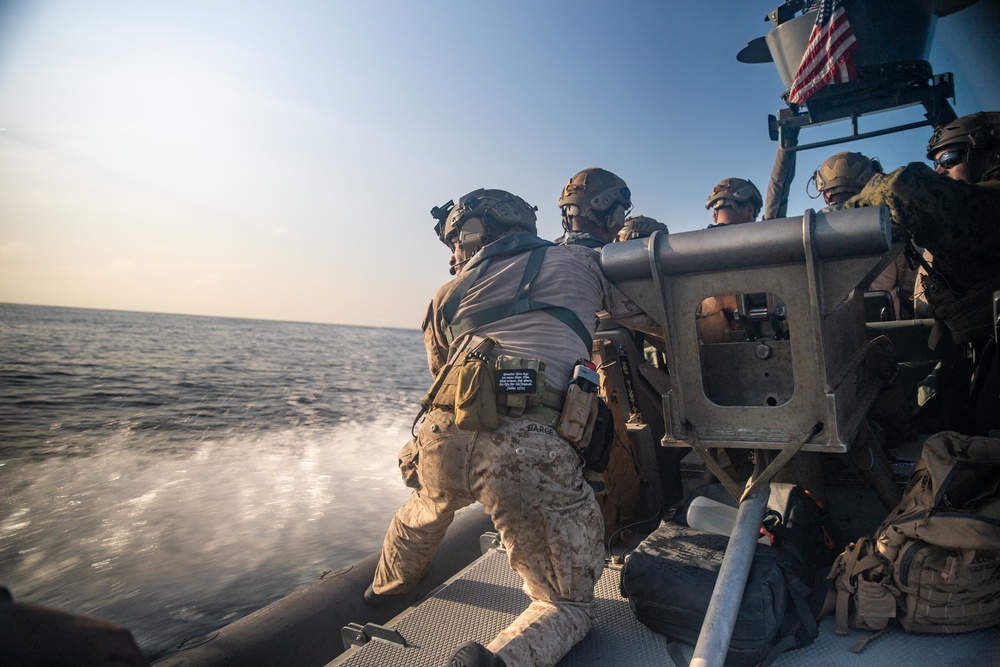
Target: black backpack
x,y
669,578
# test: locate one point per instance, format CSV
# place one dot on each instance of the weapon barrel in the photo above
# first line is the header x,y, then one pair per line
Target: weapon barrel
x,y
859,231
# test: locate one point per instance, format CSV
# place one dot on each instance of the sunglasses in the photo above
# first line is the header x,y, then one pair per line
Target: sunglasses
x,y
950,159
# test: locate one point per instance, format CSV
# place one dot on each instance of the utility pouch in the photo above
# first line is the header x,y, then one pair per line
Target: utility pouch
x,y
408,457
579,413
475,391
466,387
520,383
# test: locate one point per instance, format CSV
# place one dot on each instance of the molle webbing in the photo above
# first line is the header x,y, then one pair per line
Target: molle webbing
x,y
522,303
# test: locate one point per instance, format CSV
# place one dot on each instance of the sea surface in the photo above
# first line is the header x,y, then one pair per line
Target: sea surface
x,y
173,473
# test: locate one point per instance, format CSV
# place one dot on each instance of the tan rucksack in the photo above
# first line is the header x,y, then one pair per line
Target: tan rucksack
x,y
934,563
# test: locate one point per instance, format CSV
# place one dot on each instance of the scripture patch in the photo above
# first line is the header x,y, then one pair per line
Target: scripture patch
x,y
517,380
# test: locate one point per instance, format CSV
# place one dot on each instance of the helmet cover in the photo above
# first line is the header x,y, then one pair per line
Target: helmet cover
x,y
845,172
497,208
640,226
735,190
597,189
593,192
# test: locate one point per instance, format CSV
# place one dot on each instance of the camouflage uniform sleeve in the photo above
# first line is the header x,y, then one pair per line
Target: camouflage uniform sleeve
x,y
434,339
622,309
942,214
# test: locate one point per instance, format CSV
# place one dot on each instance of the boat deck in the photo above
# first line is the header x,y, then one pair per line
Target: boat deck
x,y
484,598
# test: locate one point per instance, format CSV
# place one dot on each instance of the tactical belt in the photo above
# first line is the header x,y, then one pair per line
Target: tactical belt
x,y
540,414
546,412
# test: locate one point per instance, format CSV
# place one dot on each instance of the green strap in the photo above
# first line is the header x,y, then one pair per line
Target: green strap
x,y
522,303
450,306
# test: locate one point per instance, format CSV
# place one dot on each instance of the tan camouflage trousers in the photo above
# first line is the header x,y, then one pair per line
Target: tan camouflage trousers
x,y
531,483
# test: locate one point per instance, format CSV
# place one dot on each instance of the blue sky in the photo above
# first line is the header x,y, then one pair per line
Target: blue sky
x,y
278,160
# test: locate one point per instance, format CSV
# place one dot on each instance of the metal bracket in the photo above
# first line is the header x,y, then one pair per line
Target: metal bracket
x,y
489,541
354,634
853,100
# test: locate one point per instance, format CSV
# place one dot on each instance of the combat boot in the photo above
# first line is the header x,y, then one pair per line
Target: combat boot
x,y
472,654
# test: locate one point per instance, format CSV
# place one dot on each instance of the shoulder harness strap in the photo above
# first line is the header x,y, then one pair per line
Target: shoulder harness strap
x,y
522,303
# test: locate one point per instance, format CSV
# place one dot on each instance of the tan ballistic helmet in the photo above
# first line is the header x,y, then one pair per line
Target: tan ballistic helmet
x,y
640,226
845,172
979,130
738,190
487,214
594,189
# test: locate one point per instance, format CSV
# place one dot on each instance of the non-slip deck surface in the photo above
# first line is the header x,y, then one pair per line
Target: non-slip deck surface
x,y
487,597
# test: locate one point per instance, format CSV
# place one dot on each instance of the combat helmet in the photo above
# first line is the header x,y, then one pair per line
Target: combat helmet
x,y
978,131
845,172
482,216
594,193
735,190
640,226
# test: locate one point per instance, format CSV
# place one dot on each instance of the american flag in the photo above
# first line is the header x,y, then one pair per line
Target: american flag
x,y
829,54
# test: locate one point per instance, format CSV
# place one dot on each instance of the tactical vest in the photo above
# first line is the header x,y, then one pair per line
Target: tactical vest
x,y
969,316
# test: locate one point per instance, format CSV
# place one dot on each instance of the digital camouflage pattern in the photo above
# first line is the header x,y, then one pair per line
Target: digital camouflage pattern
x,y
531,482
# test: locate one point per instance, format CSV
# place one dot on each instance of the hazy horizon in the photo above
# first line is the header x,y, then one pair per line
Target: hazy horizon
x,y
280,163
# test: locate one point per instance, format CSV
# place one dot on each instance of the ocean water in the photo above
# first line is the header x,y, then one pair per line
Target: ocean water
x,y
174,473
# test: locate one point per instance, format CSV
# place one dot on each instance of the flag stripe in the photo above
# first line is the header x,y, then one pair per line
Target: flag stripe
x,y
828,53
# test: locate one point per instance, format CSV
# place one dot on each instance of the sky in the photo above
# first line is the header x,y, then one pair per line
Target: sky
x,y
279,160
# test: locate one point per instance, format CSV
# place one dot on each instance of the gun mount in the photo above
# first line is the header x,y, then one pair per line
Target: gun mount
x,y
807,384
814,384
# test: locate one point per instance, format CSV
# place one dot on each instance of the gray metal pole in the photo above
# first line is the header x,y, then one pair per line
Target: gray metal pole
x,y
717,630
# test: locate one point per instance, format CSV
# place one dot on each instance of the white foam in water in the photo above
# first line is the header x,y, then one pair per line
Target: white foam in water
x,y
173,545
